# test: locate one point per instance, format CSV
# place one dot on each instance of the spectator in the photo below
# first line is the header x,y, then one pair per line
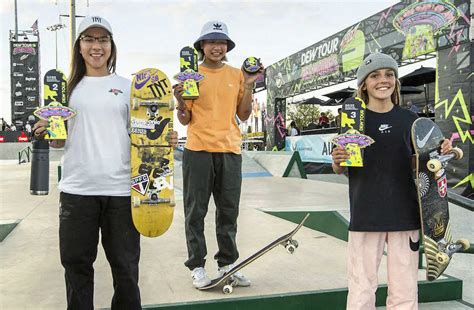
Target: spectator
x,y
412,107
293,130
312,125
338,118
28,130
3,124
323,120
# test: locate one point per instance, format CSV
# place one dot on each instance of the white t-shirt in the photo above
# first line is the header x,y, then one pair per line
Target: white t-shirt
x,y
97,152
293,132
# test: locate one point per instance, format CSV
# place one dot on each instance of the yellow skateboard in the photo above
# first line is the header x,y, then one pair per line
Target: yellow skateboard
x,y
151,156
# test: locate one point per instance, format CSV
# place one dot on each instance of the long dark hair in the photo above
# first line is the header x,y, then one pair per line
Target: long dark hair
x,y
78,66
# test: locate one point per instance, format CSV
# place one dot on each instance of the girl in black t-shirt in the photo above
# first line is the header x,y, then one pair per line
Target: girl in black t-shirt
x,y
382,194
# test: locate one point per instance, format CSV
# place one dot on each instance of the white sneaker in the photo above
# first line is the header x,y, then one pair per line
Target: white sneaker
x,y
238,276
200,278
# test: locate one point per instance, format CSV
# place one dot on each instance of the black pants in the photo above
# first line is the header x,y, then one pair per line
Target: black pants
x,y
220,174
80,219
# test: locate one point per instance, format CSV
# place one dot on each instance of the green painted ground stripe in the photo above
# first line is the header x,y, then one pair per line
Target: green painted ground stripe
x,y
6,228
329,222
440,290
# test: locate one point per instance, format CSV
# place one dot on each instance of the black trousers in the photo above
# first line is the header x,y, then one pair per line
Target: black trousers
x,y
219,174
80,219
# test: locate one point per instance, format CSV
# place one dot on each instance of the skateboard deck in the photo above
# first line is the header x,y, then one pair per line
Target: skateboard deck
x,y
285,240
352,136
151,155
189,75
55,108
433,197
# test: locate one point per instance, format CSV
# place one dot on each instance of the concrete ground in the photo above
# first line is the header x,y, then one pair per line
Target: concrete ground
x,y
32,276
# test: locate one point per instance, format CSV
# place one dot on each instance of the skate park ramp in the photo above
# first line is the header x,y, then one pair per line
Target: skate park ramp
x,y
314,277
279,164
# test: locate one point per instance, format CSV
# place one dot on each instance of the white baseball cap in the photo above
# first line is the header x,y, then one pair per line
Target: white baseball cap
x,y
93,21
214,30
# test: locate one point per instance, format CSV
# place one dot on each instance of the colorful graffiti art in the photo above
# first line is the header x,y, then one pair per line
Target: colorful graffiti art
x,y
420,21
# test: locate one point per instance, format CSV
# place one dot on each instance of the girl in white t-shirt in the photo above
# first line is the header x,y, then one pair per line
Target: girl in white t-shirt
x,y
95,184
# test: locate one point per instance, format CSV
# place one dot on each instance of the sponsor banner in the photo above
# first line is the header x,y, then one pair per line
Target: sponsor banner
x,y
312,148
24,76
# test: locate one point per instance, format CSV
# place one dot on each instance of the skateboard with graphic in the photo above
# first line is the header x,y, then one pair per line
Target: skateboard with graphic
x,y
189,75
433,197
352,136
151,155
55,108
228,281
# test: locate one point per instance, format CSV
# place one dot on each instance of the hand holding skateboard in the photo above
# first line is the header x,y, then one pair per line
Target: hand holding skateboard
x,y
433,153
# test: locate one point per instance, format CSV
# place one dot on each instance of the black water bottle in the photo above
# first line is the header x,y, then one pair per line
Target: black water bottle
x,y
39,179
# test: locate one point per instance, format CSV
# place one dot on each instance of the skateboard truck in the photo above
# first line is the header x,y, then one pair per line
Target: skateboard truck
x,y
446,250
153,202
152,104
441,161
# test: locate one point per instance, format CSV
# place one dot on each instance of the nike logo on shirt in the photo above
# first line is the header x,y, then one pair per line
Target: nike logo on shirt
x,y
384,127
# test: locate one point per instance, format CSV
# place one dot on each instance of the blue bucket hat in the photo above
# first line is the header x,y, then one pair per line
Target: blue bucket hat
x,y
214,30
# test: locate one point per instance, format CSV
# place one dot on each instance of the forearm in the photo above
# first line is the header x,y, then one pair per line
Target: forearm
x,y
245,107
337,168
184,116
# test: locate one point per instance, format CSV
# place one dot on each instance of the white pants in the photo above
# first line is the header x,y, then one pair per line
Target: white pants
x,y
365,250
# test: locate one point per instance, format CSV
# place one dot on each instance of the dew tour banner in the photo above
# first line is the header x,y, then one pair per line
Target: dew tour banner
x,y
409,31
24,80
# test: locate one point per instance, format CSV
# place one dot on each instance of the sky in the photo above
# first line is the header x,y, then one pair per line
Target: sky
x,y
151,33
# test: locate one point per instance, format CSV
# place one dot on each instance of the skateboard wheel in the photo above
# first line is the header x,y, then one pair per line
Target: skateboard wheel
x,y
136,201
433,165
227,289
135,104
442,258
464,243
290,249
458,153
295,243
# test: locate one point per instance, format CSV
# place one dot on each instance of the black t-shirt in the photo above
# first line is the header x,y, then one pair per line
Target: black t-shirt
x,y
383,194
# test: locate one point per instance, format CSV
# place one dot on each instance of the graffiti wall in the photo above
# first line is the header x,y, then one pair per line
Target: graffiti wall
x,y
454,107
409,31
